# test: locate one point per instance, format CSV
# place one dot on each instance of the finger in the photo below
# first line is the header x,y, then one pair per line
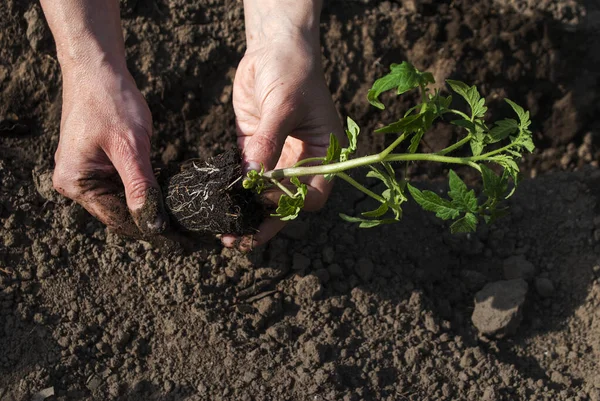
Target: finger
x,y
266,231
265,144
97,192
131,158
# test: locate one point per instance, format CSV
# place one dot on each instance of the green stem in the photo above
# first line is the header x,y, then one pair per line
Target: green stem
x,y
460,113
309,160
493,152
335,168
359,186
283,188
455,146
394,145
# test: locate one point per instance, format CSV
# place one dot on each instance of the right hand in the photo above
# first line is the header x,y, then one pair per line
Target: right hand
x,y
105,141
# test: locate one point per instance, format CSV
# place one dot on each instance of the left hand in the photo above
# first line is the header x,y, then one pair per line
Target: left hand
x,y
284,114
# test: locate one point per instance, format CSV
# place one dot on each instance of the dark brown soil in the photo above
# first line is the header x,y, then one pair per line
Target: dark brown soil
x,y
207,197
325,311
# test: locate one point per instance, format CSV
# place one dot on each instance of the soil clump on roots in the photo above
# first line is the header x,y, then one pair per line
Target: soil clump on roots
x,y
208,197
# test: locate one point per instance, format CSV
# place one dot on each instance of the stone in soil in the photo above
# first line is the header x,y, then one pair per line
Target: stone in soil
x,y
498,307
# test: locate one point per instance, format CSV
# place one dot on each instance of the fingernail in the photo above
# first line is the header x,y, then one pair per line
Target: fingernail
x,y
251,165
151,218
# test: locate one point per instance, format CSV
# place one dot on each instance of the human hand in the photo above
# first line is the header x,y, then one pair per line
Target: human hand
x,y
284,114
105,141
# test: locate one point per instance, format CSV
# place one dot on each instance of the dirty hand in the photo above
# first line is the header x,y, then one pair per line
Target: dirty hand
x,y
105,140
106,124
283,108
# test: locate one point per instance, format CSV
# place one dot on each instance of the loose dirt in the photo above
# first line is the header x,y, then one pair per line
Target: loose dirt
x,y
325,311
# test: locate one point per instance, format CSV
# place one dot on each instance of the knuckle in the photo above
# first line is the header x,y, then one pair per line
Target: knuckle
x,y
63,182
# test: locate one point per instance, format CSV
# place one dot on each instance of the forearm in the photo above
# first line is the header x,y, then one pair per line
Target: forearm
x,y
275,20
87,33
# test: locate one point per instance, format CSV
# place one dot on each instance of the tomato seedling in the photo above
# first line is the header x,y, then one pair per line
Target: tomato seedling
x,y
501,142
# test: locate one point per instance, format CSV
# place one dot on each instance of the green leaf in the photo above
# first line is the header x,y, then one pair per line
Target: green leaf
x,y
380,211
524,120
466,224
471,95
352,133
403,76
366,223
407,124
432,202
469,125
288,208
503,129
493,186
333,151
415,141
462,198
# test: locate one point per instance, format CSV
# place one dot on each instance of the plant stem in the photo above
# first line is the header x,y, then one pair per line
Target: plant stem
x,y
455,146
335,168
309,160
359,186
283,188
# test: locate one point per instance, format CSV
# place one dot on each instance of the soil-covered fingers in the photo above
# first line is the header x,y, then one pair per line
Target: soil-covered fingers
x,y
130,155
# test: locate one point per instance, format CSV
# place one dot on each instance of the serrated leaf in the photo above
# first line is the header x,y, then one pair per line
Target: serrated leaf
x,y
493,186
380,211
288,208
333,151
352,133
472,97
407,124
503,129
432,202
524,121
402,76
465,224
462,198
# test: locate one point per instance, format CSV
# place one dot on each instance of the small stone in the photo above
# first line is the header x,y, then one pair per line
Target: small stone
x,y
544,287
498,307
300,262
93,382
517,267
309,287
596,270
364,269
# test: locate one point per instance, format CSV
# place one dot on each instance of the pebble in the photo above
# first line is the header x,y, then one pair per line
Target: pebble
x,y
498,307
335,270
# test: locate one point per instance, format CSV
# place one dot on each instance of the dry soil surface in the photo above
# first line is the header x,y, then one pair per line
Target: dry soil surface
x,y
326,311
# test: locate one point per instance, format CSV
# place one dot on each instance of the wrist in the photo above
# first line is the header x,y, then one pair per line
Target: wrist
x,y
273,21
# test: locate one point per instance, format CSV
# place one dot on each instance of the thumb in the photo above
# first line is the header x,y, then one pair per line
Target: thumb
x,y
143,195
265,144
